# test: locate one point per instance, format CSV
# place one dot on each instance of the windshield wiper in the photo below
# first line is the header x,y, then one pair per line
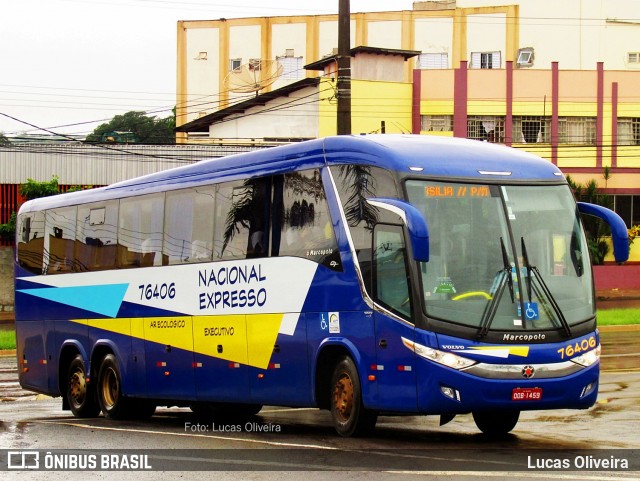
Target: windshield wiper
x,y
503,277
545,289
507,268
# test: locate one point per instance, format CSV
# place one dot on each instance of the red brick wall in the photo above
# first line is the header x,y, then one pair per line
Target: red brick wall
x,y
617,277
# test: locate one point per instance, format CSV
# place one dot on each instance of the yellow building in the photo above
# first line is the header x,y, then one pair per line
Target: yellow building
x,y
562,85
575,33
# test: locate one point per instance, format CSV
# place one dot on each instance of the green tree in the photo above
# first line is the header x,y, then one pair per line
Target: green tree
x,y
147,129
8,230
33,190
4,140
595,228
29,190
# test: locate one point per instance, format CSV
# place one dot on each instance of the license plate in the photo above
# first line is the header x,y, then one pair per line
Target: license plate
x,y
526,394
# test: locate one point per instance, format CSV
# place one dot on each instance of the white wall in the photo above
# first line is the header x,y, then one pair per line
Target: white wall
x,y
202,75
328,37
576,33
434,35
289,36
385,34
244,43
487,33
285,119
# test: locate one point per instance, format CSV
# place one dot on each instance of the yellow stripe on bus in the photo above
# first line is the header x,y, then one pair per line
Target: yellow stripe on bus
x,y
243,339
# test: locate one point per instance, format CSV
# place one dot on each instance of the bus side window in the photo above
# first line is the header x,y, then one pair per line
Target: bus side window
x,y
189,219
356,183
242,212
305,224
96,237
140,231
59,243
31,241
390,273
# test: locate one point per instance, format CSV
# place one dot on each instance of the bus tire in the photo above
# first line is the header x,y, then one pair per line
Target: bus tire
x,y
109,390
496,423
80,394
350,417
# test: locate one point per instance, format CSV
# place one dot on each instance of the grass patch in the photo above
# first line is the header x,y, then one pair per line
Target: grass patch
x,y
7,340
617,317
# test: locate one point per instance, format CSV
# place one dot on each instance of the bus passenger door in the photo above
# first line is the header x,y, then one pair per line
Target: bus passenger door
x,y
395,370
277,345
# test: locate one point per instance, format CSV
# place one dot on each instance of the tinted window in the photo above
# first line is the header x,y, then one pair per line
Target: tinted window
x,y
140,231
390,271
60,236
96,235
356,184
31,241
189,219
305,226
242,213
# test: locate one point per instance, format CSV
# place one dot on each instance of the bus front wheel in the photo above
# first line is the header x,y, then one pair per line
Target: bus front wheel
x,y
80,394
350,417
494,423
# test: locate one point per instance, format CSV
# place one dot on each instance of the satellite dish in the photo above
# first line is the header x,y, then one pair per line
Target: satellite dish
x,y
253,76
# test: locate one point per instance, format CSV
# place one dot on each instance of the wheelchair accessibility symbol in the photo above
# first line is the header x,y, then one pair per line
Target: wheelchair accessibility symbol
x,y
330,320
531,312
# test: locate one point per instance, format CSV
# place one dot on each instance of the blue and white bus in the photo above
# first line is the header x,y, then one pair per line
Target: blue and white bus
x,y
365,275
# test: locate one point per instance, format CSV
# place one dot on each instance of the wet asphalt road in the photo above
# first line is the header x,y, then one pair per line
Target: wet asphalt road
x,y
402,447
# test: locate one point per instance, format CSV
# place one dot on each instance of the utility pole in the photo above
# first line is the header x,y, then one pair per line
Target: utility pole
x,y
344,69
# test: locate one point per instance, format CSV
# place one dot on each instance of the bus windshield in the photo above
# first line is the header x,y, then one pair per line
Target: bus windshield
x,y
504,257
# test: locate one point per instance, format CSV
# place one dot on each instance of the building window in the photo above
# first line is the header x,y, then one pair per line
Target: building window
x,y
525,57
627,207
577,130
235,63
633,57
255,64
436,123
485,60
486,128
292,67
629,131
433,61
531,130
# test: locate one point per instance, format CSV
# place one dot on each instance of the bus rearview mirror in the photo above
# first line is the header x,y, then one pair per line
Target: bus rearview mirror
x,y
413,219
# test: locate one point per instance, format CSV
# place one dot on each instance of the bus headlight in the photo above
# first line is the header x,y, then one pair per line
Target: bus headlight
x,y
445,358
588,358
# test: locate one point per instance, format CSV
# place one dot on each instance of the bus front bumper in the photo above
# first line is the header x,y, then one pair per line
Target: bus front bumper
x,y
444,390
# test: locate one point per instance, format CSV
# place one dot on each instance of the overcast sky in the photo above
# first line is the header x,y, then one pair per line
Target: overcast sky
x,y
84,61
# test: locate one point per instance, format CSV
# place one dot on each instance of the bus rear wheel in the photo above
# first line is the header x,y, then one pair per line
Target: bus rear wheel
x,y
80,394
350,417
496,424
109,390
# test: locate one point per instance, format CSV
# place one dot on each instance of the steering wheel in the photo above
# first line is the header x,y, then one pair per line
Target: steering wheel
x,y
467,295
